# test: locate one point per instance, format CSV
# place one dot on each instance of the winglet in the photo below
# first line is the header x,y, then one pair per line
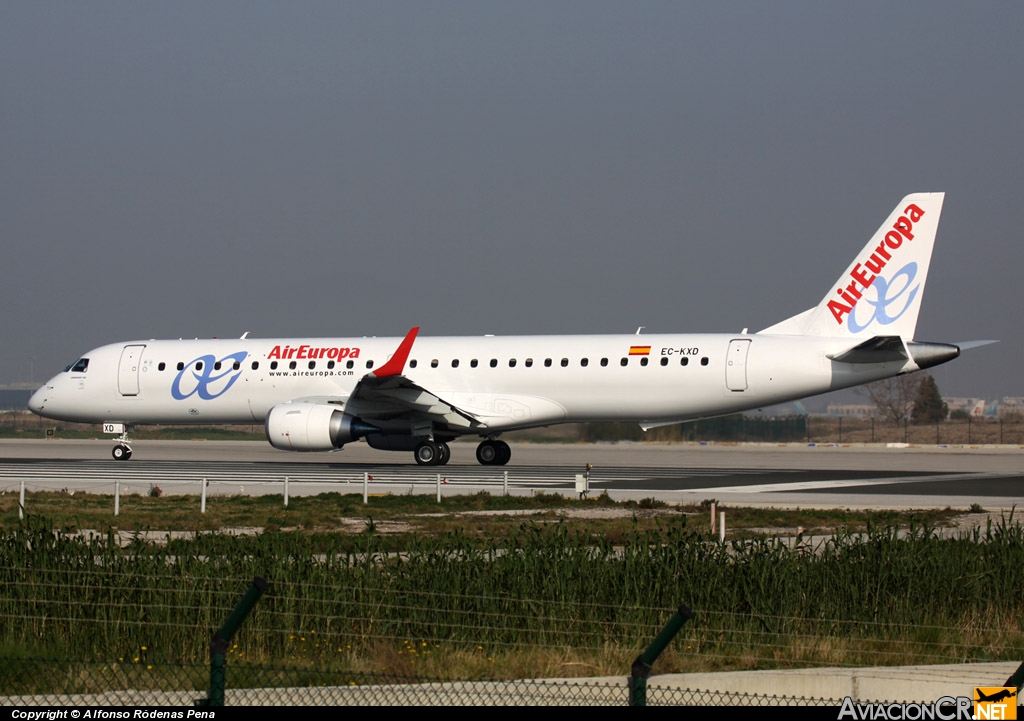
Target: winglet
x,y
396,364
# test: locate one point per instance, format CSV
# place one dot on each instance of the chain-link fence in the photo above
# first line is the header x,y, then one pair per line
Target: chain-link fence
x,y
38,682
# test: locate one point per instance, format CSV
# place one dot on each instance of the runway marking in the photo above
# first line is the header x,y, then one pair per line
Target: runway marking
x,y
817,485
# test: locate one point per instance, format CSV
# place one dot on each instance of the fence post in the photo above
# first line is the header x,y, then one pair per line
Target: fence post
x,y
221,639
438,487
642,665
21,503
117,496
286,491
366,482
202,496
504,485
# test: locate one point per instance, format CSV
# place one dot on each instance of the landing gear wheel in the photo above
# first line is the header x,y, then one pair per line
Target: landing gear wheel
x,y
121,452
446,454
486,453
493,453
504,453
427,453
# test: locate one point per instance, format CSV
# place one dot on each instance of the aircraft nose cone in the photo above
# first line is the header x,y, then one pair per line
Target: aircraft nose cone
x,y
37,401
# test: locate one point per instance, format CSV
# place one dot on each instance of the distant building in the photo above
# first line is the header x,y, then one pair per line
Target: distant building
x,y
852,410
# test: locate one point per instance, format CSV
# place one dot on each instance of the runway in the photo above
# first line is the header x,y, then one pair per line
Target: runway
x,y
749,474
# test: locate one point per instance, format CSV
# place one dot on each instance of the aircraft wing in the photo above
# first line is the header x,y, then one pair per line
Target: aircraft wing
x,y
385,394
398,396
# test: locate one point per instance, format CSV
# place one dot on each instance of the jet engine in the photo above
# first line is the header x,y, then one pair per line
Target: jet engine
x,y
313,427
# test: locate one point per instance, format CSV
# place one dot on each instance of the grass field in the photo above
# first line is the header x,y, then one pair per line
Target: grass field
x,y
472,590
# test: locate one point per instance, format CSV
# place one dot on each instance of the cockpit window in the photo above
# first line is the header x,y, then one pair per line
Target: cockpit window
x,y
79,366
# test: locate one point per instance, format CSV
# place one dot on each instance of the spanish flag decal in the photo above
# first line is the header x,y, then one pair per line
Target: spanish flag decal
x,y
639,350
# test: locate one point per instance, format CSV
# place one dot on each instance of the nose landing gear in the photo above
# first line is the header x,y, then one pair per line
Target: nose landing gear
x,y
123,450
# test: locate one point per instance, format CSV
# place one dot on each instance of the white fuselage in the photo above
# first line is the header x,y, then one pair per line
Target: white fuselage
x,y
507,382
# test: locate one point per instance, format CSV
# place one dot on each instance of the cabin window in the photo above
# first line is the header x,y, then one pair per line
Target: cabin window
x,y
312,365
236,365
455,362
704,361
350,364
292,365
181,366
624,362
474,363
412,363
604,361
330,364
494,362
369,364
255,365
433,363
528,362
584,362
664,361
161,365
216,366
565,362
511,362
273,365
684,361
199,365
547,362
644,360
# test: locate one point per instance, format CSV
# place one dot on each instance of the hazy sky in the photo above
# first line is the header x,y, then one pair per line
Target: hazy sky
x,y
357,168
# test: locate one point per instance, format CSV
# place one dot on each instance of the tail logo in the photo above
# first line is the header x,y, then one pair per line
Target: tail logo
x,y
866,273
883,298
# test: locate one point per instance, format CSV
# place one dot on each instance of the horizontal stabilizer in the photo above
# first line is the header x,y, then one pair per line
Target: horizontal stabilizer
x,y
880,349
969,344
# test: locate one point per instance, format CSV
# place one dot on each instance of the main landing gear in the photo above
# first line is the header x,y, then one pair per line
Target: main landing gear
x,y
432,453
493,453
437,453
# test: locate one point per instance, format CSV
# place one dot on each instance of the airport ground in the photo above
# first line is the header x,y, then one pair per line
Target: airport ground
x,y
782,475
789,475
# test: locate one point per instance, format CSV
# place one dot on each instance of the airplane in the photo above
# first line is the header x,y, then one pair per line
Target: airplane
x,y
419,393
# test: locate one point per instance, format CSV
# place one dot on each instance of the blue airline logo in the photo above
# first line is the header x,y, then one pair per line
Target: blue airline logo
x,y
887,292
201,377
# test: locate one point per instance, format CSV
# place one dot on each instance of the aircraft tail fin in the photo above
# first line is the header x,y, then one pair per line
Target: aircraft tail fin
x,y
880,293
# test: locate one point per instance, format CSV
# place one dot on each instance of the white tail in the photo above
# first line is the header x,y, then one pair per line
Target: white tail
x,y
880,293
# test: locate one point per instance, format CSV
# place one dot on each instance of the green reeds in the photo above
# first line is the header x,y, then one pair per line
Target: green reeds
x,y
457,602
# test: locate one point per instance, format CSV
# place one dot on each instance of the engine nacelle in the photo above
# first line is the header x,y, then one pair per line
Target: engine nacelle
x,y
313,427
